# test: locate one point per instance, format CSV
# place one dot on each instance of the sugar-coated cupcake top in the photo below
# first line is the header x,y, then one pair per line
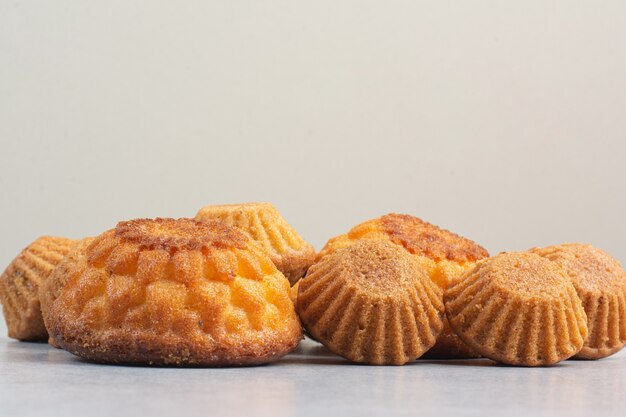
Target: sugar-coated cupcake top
x,y
145,246
179,234
417,236
421,237
591,268
527,275
379,267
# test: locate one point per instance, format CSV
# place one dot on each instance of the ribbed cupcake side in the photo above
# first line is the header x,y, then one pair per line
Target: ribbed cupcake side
x,y
489,314
365,324
20,282
600,283
606,316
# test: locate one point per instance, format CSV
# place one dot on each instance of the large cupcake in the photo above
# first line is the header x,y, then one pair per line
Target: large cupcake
x,y
601,284
371,302
518,309
20,282
443,254
291,254
179,292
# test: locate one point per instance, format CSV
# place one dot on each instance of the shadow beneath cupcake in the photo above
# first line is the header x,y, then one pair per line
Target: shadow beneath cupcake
x,y
553,366
83,361
483,362
459,362
310,352
313,353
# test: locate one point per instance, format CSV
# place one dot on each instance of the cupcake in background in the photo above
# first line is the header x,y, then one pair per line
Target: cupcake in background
x,y
600,282
262,222
20,282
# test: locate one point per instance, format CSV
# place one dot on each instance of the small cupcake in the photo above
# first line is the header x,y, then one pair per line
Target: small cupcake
x,y
601,285
291,254
174,292
20,282
443,254
518,309
371,302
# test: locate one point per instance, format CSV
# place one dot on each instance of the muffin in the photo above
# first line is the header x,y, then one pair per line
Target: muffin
x,y
518,309
174,292
20,282
443,254
264,224
371,302
50,289
601,285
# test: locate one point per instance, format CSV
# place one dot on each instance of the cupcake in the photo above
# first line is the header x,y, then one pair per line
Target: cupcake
x,y
518,309
371,302
601,285
262,222
443,254
20,282
174,292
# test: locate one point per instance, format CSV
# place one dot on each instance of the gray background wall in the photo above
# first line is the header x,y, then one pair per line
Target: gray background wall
x,y
502,121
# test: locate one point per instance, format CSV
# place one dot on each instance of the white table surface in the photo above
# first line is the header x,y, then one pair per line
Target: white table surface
x,y
38,380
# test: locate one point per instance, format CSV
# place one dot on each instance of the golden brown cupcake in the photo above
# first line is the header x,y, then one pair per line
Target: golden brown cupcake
x,y
291,254
371,302
443,254
50,289
518,309
178,292
601,285
20,282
